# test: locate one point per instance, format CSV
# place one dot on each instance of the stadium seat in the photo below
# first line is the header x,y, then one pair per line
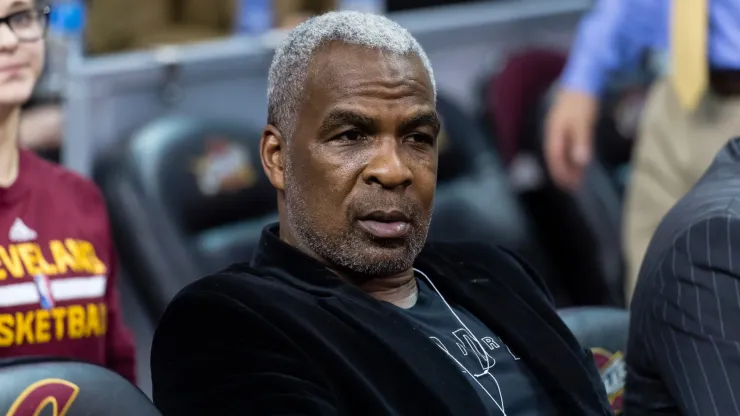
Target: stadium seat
x,y
590,263
581,230
512,92
187,197
621,107
604,331
598,326
516,100
49,386
474,201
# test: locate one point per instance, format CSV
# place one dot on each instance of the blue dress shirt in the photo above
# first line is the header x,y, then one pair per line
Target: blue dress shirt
x,y
615,33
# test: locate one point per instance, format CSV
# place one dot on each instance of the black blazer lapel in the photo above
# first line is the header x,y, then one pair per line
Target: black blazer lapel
x,y
525,322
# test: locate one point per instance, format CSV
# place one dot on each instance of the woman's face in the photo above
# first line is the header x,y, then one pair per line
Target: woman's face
x,y
21,50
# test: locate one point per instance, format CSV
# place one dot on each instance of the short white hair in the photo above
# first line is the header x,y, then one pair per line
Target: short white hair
x,y
289,69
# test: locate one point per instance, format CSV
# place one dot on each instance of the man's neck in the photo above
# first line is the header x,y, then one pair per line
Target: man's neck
x,y
400,290
9,155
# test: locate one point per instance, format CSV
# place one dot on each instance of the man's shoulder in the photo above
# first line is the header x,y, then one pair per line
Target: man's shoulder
x,y
716,192
241,285
715,195
465,252
482,258
234,279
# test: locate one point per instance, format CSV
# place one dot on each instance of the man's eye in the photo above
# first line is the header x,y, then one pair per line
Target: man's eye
x,y
422,138
351,136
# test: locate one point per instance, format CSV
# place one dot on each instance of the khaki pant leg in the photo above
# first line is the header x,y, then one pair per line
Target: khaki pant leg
x,y
674,149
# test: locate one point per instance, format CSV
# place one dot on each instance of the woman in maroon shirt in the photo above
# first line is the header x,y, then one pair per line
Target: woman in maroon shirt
x,y
57,264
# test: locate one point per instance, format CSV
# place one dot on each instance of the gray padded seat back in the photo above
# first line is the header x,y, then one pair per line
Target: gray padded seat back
x,y
33,386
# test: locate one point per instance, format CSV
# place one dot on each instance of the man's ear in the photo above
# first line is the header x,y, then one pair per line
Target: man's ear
x,y
272,154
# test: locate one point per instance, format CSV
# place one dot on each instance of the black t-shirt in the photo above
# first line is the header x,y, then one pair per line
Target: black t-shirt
x,y
504,383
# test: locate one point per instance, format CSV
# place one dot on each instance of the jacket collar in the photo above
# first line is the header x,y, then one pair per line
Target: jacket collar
x,y
273,252
276,255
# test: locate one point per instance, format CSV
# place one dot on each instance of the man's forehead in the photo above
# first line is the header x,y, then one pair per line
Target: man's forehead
x,y
341,65
367,82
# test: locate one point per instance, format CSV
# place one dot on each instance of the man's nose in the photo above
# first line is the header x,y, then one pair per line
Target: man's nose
x,y
8,39
388,167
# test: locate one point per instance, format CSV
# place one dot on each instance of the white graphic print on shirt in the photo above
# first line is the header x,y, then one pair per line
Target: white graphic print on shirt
x,y
467,343
491,368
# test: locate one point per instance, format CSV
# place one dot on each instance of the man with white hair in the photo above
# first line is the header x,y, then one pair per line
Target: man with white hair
x,y
344,309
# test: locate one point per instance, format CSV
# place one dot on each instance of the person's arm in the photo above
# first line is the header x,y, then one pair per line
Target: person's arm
x,y
213,355
120,348
609,37
120,351
693,330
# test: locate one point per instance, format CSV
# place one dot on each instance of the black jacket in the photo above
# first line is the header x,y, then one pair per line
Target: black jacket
x,y
284,336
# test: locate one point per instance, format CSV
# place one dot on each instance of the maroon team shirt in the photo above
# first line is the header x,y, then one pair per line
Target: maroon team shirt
x,y
58,270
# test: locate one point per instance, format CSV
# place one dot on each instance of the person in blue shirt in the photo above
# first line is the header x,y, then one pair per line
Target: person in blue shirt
x,y
675,144
684,349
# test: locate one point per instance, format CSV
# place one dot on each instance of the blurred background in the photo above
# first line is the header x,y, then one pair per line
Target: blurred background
x,y
162,103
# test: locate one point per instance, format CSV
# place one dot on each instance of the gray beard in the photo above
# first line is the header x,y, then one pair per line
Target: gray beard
x,y
350,251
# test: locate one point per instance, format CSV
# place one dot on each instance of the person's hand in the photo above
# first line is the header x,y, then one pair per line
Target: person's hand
x,y
569,134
